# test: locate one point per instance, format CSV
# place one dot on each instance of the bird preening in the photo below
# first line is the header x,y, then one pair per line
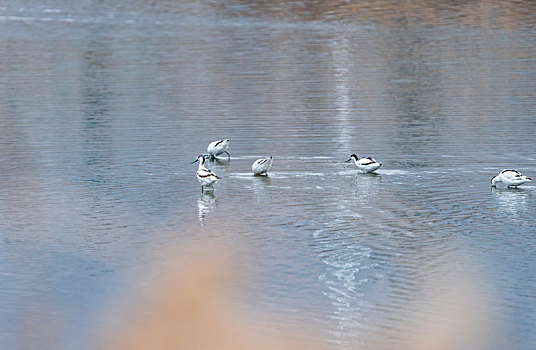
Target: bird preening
x,y
510,177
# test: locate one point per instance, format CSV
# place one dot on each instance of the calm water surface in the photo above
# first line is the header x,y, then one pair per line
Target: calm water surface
x,y
103,106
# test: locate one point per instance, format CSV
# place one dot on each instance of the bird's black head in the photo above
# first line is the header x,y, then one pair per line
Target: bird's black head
x,y
199,157
353,156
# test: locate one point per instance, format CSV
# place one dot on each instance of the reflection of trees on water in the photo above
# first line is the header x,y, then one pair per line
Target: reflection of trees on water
x,y
94,99
23,198
97,168
509,14
414,88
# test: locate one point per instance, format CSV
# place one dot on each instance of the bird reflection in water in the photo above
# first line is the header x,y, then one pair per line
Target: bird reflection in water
x,y
205,204
367,184
218,161
261,184
510,200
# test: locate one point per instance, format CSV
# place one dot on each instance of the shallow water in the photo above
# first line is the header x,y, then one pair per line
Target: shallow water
x,y
104,106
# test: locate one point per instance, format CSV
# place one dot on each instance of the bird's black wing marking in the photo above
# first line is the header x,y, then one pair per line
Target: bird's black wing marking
x,y
209,174
372,161
213,174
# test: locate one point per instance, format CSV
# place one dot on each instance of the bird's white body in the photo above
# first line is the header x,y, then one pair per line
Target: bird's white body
x,y
261,166
511,178
205,176
218,147
365,164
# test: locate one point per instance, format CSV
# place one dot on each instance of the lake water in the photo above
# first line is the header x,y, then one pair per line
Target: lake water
x,y
104,105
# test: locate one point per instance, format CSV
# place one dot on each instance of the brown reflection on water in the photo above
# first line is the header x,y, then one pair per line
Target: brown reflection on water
x,y
400,73
484,13
188,307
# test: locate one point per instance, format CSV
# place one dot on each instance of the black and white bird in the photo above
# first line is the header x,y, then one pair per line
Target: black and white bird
x,y
205,176
261,166
510,177
365,164
216,148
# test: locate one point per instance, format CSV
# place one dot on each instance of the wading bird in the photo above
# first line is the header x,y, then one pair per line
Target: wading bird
x,y
365,164
261,166
205,176
216,148
510,177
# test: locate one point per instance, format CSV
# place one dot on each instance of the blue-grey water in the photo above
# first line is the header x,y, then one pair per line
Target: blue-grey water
x,y
104,105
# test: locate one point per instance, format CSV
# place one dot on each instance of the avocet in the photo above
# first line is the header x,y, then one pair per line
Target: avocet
x,y
205,176
365,164
510,177
216,148
261,166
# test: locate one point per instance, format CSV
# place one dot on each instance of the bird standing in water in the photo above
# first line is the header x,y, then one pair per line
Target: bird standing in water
x,y
205,176
510,177
216,148
365,164
261,166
